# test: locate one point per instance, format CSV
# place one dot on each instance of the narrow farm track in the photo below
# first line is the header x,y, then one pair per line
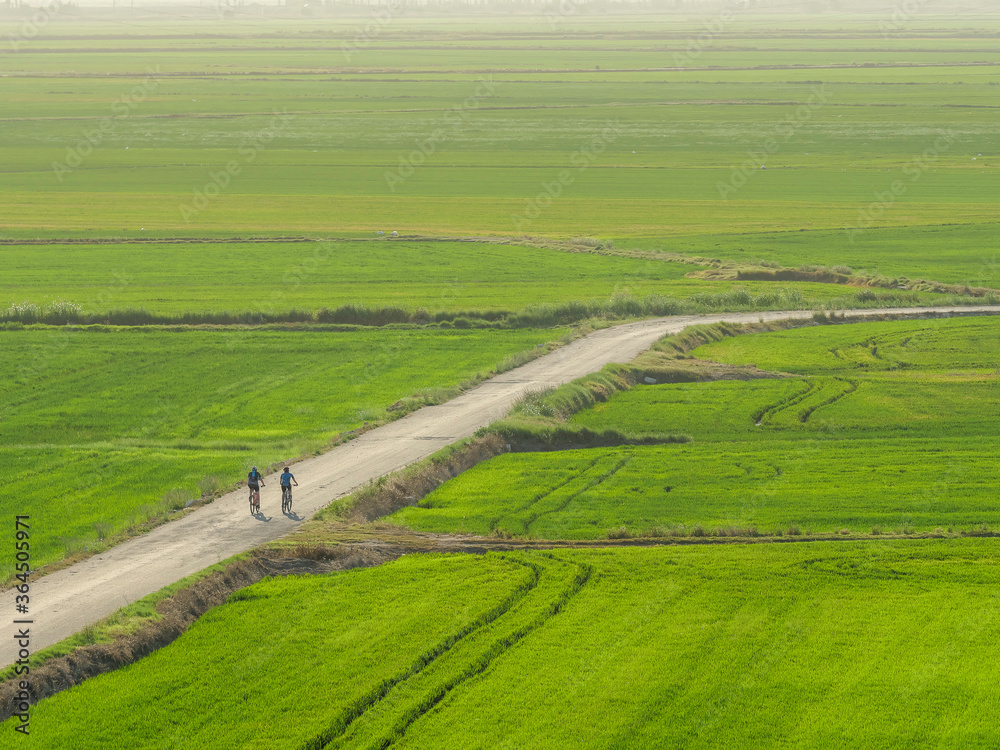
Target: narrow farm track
x,y
343,724
817,394
539,509
70,599
847,387
382,721
513,520
769,413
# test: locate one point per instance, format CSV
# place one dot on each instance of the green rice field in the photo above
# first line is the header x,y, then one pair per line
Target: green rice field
x,y
884,643
951,254
626,135
103,427
885,427
253,231
438,277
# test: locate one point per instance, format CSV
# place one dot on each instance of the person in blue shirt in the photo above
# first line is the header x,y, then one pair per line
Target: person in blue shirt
x,y
287,478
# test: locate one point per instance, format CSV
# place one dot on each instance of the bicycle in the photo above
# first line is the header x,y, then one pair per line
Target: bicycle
x,y
254,501
286,498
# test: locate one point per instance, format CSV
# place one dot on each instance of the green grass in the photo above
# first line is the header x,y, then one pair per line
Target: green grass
x,y
584,130
121,624
762,411
424,281
888,425
667,138
746,647
438,276
105,427
936,347
817,485
282,686
877,644
951,254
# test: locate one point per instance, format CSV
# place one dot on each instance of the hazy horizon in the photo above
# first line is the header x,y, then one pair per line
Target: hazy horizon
x,y
792,8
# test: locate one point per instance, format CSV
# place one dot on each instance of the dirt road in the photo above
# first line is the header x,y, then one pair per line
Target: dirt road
x,y
69,600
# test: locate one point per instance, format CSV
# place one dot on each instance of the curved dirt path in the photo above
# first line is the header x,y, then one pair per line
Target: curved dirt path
x,y
67,601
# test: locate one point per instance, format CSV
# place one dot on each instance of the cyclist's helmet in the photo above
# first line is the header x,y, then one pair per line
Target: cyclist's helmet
x,y
254,468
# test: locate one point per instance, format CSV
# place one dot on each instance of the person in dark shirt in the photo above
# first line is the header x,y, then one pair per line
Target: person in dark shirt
x,y
255,481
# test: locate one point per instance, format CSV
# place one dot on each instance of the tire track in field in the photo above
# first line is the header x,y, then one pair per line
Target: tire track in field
x,y
813,389
851,387
769,412
889,342
544,494
496,646
342,723
597,481
582,577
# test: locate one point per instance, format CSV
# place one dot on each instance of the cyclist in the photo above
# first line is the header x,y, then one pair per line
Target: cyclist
x,y
287,478
255,481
